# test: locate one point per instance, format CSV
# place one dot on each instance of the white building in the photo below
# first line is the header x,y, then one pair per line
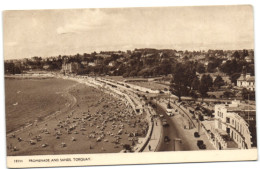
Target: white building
x,y
84,63
46,66
72,67
246,81
235,126
112,64
91,64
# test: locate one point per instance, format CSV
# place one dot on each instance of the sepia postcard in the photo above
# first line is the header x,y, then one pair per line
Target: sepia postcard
x,y
117,86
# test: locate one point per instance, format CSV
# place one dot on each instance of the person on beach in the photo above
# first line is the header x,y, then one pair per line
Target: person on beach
x,y
149,147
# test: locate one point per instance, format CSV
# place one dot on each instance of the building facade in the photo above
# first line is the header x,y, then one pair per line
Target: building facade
x,y
246,81
235,126
72,67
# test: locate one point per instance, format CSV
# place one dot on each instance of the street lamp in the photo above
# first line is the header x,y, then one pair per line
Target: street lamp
x,y
174,141
169,97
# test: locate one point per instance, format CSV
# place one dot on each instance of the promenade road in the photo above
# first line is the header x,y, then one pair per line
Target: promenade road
x,y
173,132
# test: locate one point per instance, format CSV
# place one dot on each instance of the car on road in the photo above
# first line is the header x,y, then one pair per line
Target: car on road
x,y
161,115
169,113
165,123
166,139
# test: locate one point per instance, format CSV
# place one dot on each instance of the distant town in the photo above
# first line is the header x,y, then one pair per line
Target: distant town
x,y
222,69
212,92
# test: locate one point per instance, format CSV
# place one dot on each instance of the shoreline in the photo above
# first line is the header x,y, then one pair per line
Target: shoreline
x,y
69,111
29,76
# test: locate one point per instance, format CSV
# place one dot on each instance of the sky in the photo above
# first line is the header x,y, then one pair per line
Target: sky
x,y
47,33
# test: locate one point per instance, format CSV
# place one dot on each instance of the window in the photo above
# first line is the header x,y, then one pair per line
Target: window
x,y
228,130
228,120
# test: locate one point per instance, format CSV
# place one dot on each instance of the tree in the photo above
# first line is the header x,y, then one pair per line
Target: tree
x,y
228,94
195,83
247,94
133,73
245,53
200,68
203,89
165,67
211,67
236,55
218,82
179,81
12,69
190,74
146,72
234,77
206,83
125,74
121,70
230,67
194,95
207,80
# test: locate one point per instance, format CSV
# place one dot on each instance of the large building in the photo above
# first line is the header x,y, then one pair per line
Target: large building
x,y
246,81
235,126
72,67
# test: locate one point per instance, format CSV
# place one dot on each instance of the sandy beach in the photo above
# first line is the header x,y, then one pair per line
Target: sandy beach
x,y
90,121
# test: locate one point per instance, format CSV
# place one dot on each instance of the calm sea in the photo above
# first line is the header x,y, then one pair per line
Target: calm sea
x,y
27,100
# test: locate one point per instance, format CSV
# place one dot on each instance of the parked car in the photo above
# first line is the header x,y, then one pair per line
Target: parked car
x,y
169,114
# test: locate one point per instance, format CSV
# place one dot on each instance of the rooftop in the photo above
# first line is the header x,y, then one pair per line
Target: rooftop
x,y
246,77
241,107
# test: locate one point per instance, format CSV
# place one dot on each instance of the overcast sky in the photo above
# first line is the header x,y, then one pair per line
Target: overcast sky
x,y
53,32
